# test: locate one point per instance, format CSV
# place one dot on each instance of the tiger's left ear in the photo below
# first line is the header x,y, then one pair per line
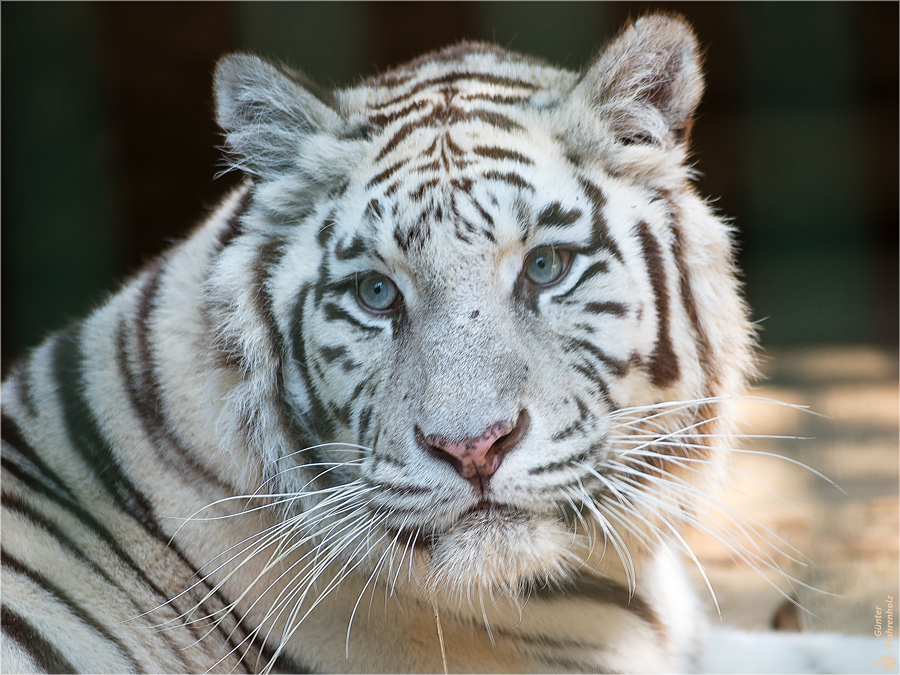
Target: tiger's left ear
x,y
647,83
268,113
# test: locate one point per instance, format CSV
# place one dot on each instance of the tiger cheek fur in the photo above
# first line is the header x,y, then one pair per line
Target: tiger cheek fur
x,y
427,363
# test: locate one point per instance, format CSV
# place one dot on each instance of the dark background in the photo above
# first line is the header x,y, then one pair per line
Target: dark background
x,y
109,151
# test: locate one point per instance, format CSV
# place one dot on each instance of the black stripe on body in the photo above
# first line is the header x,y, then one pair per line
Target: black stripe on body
x,y
27,509
89,442
561,664
24,385
43,653
560,654
663,363
267,259
14,504
97,529
42,475
144,388
63,598
85,434
283,664
72,508
603,591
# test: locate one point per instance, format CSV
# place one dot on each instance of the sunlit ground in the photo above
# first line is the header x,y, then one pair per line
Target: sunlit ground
x,y
850,541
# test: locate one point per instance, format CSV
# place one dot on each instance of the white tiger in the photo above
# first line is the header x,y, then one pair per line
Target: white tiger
x,y
435,390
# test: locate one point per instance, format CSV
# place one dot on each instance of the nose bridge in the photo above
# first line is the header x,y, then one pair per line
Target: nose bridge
x,y
471,372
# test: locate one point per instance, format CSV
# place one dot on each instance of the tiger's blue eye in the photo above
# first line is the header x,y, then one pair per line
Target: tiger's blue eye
x,y
376,292
546,265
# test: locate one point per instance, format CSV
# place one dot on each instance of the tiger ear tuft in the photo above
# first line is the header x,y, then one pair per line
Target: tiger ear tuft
x,y
647,83
267,112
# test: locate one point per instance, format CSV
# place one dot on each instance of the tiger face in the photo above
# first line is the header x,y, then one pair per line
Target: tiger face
x,y
491,283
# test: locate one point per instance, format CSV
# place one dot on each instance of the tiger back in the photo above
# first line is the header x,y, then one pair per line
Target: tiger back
x,y
435,389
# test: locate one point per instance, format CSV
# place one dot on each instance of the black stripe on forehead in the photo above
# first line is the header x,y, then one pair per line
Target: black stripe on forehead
x,y
398,136
601,240
356,248
382,120
387,173
454,77
494,152
419,193
442,117
555,215
510,178
499,99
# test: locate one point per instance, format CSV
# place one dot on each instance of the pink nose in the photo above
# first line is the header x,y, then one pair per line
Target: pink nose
x,y
477,458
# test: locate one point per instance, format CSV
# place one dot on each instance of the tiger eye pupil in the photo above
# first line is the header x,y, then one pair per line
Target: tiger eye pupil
x,y
545,265
376,292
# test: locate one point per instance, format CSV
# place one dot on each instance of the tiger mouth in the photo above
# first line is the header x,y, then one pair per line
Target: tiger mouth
x,y
485,513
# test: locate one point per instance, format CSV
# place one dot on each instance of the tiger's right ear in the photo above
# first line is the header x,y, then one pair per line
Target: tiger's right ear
x,y
267,113
647,83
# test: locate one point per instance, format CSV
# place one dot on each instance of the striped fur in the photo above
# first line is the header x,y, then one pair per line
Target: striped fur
x,y
234,464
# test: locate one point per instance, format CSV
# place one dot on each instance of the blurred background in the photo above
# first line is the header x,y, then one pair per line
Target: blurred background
x,y
110,153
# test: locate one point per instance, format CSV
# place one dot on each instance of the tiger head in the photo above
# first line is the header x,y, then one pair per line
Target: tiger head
x,y
500,323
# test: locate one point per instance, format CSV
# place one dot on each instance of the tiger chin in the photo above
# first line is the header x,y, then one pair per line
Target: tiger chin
x,y
435,389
